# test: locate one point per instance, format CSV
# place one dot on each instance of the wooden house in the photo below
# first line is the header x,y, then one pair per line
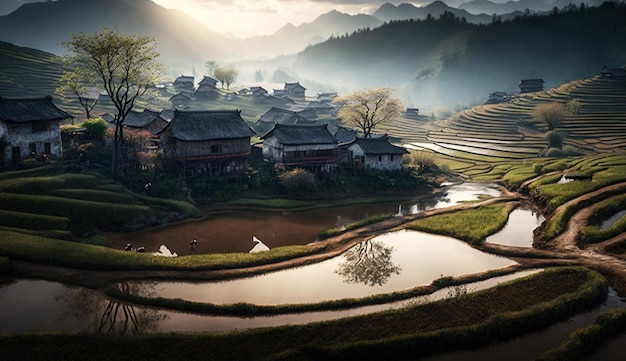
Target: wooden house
x,y
180,100
295,90
321,107
257,91
207,88
531,85
211,142
184,82
301,146
280,116
29,127
373,153
412,113
149,120
326,97
613,73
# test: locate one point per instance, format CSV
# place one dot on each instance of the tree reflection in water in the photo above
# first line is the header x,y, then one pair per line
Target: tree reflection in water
x,y
368,262
104,315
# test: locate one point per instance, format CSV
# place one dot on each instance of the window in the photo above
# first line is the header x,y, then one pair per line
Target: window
x,y
47,148
40,127
32,147
216,148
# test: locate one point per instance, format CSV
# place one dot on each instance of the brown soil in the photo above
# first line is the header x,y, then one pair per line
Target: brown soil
x,y
563,250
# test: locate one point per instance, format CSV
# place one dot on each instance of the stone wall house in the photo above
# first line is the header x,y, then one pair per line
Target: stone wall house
x,y
301,146
29,127
207,142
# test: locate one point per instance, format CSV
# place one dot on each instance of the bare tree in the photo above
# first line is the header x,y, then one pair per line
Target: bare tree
x,y
552,114
370,108
73,85
368,262
125,66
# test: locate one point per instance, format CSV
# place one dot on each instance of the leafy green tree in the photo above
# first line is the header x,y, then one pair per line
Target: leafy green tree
x,y
126,67
96,127
552,114
225,76
73,85
555,139
370,108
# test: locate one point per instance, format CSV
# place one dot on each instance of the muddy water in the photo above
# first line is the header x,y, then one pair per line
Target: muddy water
x,y
234,231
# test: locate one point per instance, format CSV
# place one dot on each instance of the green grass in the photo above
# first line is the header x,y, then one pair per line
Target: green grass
x,y
605,209
61,253
473,225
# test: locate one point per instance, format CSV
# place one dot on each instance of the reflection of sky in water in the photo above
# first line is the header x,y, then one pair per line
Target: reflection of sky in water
x,y
421,257
611,220
518,231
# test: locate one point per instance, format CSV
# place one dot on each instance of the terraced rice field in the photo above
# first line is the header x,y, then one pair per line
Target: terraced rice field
x,y
505,131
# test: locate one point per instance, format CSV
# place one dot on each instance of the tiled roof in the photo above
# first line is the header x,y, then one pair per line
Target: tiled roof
x,y
208,125
30,110
301,134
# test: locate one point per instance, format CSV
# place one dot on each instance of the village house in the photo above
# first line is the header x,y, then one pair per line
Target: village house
x,y
280,116
531,85
373,153
412,113
613,73
207,88
180,100
29,127
326,97
321,107
301,146
211,142
149,120
295,90
184,82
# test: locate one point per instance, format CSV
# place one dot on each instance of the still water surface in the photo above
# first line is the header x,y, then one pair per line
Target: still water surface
x,y
234,231
391,262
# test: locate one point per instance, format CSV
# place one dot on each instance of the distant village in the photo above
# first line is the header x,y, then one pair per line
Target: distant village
x,y
218,143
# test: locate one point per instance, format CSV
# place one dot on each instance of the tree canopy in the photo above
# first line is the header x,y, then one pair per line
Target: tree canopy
x,y
552,114
370,108
125,65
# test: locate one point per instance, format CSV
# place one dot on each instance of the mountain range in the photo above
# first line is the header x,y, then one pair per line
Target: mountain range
x,y
449,56
185,43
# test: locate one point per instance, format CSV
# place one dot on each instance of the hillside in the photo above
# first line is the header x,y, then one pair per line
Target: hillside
x,y
447,60
27,72
183,42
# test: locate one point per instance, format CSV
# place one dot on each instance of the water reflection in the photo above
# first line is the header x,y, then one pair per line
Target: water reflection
x,y
28,305
369,263
612,220
518,231
109,316
422,257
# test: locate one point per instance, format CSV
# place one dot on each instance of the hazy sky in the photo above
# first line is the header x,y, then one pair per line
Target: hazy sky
x,y
245,18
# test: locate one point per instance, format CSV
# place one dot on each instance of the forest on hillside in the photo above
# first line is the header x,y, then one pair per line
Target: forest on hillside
x,y
446,60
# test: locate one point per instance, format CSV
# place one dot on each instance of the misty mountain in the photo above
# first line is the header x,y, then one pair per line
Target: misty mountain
x,y
405,11
490,7
447,60
291,39
182,41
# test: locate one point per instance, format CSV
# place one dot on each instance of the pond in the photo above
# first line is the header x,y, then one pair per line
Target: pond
x,y
391,262
235,231
607,223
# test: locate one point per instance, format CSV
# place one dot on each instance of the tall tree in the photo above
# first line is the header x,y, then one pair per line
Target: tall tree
x,y
370,108
125,66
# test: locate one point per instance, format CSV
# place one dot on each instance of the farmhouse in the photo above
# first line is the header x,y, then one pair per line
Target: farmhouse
x,y
212,142
613,73
29,127
149,120
301,146
295,90
374,153
184,82
412,113
280,116
207,88
531,85
180,99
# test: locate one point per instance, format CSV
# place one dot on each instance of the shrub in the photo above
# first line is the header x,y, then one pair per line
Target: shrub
x,y
555,139
96,127
297,180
